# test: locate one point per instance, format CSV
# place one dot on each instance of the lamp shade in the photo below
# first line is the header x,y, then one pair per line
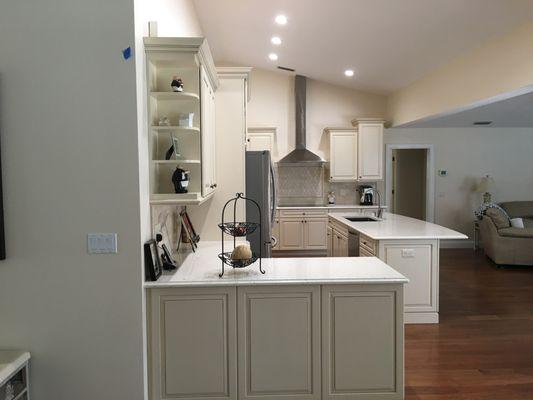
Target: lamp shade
x,y
485,184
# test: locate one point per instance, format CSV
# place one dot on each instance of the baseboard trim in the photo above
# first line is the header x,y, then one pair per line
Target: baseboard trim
x,y
421,317
457,244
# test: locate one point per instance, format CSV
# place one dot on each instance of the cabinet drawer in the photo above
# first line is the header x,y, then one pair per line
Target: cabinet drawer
x,y
369,244
363,252
303,212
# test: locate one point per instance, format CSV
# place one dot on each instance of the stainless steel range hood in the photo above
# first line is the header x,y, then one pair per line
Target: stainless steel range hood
x,y
300,155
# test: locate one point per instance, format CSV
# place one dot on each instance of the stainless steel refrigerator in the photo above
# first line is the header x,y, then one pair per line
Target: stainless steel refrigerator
x,y
261,186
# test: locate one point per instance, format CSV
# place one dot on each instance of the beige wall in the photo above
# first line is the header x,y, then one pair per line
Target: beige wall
x,y
502,65
467,155
69,155
272,104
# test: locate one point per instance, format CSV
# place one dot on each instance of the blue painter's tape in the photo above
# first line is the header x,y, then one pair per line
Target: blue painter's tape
x,y
126,53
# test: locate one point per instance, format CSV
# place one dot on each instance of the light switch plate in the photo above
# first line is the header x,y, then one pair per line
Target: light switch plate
x,y
102,243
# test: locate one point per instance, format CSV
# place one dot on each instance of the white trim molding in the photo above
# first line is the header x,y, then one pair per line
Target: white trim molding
x,y
430,176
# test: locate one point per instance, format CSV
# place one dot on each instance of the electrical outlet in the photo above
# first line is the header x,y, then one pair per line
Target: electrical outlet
x,y
102,243
408,253
443,172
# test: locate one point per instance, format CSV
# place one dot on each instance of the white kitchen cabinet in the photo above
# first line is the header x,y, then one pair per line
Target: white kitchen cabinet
x,y
362,360
208,143
184,118
338,245
329,236
342,154
193,343
369,149
258,139
315,233
279,342
276,234
291,234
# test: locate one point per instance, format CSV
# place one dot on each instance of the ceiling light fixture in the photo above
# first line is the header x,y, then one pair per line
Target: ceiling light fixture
x,y
281,19
273,56
276,40
349,73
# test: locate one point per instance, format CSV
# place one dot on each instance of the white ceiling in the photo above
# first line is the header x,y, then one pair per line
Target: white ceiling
x,y
389,43
510,110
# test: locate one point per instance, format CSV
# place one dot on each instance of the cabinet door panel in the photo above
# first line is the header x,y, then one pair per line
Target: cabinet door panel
x,y
330,241
315,231
276,234
279,345
362,354
343,156
292,234
193,343
207,133
370,151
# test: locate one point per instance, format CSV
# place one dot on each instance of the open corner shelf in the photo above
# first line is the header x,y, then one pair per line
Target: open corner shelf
x,y
186,96
193,198
174,128
170,162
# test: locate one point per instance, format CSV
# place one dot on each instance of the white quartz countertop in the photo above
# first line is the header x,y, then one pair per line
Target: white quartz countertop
x,y
394,226
10,362
202,269
327,207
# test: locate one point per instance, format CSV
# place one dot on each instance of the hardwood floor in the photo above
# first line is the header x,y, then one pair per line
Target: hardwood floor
x,y
483,347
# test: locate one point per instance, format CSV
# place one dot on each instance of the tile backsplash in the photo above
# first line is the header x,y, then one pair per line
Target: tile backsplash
x,y
308,186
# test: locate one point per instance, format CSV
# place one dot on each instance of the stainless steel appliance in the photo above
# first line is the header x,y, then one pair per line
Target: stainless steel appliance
x,y
261,186
367,195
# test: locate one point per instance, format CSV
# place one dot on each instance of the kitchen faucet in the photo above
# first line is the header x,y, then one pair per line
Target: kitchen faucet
x,y
380,208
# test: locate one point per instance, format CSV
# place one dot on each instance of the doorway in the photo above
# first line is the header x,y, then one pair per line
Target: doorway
x,y
410,181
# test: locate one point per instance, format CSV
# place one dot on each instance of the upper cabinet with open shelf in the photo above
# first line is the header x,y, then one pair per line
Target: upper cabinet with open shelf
x,y
182,120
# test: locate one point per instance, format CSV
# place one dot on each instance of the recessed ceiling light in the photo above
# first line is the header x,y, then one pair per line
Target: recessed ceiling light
x,y
348,73
273,56
276,40
281,19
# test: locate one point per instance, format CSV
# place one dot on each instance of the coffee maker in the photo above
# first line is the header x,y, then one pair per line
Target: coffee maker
x,y
367,195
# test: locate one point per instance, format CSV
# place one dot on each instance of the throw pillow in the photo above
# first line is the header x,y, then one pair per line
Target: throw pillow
x,y
517,222
498,217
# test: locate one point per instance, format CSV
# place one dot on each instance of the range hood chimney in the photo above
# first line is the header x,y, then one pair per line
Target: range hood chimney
x,y
300,155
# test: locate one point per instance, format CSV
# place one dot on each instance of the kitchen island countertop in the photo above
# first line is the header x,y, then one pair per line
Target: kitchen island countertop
x,y
394,226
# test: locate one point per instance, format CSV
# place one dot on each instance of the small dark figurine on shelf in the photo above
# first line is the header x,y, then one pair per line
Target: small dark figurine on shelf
x,y
180,179
176,84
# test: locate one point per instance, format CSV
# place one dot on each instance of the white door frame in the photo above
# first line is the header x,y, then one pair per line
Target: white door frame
x,y
430,176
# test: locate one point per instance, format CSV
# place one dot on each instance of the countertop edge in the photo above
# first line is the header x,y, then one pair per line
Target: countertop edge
x,y
158,285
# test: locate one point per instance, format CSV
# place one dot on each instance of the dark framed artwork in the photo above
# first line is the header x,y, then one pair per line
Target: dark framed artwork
x,y
152,261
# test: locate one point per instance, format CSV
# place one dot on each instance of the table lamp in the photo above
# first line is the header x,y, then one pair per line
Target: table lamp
x,y
484,187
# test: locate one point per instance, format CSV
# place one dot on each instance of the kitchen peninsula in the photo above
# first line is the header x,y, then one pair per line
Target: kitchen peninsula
x,y
310,328
408,245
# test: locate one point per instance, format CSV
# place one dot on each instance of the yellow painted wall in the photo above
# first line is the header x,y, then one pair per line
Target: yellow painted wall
x,y
502,65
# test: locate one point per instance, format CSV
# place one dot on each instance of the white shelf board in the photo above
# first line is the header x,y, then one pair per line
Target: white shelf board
x,y
174,128
186,96
176,161
194,198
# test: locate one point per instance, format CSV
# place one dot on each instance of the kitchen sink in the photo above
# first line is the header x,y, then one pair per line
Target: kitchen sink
x,y
362,219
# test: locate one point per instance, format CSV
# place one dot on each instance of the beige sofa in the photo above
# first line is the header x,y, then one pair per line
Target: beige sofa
x,y
506,245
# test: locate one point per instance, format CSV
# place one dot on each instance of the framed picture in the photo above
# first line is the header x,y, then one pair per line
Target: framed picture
x,y
152,261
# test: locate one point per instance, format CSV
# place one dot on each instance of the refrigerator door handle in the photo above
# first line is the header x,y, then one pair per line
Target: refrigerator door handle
x,y
274,199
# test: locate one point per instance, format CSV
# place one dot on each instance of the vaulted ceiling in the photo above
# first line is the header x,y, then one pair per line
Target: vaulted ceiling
x,y
388,43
